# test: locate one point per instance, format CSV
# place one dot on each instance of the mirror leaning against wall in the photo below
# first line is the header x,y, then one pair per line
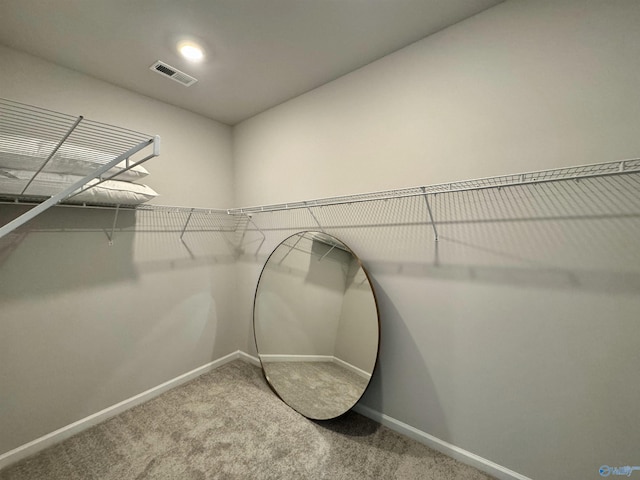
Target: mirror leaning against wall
x,y
316,325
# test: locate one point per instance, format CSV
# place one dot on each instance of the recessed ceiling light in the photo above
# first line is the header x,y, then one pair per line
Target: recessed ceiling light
x,y
191,51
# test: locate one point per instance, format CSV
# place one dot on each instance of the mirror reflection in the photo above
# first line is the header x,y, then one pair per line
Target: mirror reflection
x,y
316,325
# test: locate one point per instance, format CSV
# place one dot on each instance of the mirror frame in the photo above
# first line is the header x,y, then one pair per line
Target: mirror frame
x,y
375,300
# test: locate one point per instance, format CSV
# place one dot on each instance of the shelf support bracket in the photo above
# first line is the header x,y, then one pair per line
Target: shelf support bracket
x,y
53,152
186,224
264,237
113,227
290,250
328,252
239,225
316,219
433,223
238,243
622,166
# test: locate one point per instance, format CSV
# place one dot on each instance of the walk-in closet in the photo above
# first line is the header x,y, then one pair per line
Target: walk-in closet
x,y
311,240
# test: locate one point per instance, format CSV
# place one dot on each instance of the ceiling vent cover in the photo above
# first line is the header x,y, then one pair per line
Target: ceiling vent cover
x,y
173,73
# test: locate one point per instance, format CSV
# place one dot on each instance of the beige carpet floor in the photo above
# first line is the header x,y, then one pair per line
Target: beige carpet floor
x,y
228,424
317,390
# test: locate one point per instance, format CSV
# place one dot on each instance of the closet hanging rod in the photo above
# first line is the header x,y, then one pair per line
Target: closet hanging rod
x,y
595,170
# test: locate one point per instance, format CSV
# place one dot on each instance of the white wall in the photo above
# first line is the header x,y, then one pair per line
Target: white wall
x,y
85,325
496,349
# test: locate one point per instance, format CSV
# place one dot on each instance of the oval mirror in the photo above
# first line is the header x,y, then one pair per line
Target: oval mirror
x,y
316,327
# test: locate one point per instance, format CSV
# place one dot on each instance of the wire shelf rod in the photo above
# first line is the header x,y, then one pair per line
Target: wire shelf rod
x,y
108,141
53,152
103,150
26,106
43,132
84,135
23,118
431,217
106,126
39,131
93,133
18,109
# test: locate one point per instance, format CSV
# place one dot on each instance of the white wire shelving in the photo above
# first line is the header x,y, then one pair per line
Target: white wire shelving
x,y
449,211
560,223
530,178
31,137
586,191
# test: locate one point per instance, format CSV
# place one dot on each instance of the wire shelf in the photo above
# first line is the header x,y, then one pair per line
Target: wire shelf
x,y
542,176
554,227
585,216
30,134
48,157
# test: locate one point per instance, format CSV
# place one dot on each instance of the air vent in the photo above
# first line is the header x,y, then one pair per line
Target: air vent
x,y
173,73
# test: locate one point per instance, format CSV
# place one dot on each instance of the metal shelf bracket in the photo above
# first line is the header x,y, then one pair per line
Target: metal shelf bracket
x,y
113,227
431,219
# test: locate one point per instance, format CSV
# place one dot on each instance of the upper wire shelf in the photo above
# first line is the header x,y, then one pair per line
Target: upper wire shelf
x,y
28,131
48,157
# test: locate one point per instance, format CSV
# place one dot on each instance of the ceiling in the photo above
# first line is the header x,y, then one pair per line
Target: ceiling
x,y
259,53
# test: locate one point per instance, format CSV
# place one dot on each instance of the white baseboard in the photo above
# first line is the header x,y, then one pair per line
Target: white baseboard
x,y
352,368
468,458
249,358
276,357
63,433
314,358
